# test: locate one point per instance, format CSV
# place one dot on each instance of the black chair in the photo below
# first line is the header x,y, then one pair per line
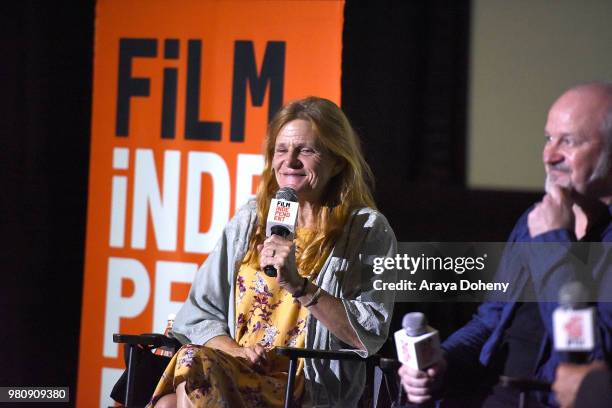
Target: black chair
x,y
143,368
138,382
379,369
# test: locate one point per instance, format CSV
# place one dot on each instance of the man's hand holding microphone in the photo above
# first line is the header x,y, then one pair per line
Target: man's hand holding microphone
x,y
423,365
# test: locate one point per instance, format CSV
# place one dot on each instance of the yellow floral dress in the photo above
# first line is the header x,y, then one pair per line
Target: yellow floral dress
x,y
266,314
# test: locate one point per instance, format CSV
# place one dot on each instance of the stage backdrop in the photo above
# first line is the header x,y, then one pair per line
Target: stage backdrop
x,y
182,95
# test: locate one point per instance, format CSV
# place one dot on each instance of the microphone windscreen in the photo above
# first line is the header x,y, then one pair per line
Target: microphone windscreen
x,y
287,194
414,323
573,294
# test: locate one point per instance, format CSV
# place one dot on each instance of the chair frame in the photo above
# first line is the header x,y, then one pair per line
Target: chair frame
x,y
135,342
380,366
294,353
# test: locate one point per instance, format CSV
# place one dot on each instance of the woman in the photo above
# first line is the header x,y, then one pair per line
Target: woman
x,y
322,296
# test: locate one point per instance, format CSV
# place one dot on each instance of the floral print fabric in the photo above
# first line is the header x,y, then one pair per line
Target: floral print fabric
x,y
214,378
267,315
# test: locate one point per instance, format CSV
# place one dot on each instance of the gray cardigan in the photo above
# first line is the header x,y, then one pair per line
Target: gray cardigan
x,y
209,310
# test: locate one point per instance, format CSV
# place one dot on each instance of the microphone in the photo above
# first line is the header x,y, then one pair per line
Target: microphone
x,y
282,217
574,324
418,345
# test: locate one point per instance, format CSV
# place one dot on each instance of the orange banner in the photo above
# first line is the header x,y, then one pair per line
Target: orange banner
x,y
182,95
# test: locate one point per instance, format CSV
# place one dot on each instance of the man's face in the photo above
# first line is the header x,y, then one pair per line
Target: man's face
x,y
574,150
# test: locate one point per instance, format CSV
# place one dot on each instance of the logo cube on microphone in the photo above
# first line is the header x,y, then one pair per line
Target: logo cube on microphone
x,y
418,352
574,329
282,213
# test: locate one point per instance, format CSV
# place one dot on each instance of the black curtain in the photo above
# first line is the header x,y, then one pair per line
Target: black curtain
x,y
404,87
45,78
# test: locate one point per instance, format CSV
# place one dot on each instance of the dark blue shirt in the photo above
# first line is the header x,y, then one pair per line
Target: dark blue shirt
x,y
470,351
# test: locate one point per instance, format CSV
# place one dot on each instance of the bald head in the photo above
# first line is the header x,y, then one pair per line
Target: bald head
x,y
577,154
590,101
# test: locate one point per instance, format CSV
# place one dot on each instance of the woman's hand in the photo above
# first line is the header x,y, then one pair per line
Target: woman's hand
x,y
280,253
256,356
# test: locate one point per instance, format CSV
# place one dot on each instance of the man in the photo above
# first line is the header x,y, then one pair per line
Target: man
x,y
515,338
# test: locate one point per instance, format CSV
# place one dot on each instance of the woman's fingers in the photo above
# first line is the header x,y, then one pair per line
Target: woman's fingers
x,y
257,357
280,253
275,251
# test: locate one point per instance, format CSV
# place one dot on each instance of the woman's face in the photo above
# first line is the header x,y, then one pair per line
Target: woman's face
x,y
301,163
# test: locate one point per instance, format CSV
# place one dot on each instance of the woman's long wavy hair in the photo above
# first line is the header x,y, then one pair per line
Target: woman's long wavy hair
x,y
346,191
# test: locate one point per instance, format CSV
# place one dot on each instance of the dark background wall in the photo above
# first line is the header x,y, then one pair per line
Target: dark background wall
x,y
404,87
45,80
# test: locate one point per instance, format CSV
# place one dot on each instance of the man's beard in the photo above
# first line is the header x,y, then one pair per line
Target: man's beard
x,y
557,181
600,174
